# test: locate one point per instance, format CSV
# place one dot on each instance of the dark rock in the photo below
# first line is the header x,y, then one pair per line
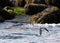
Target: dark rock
x,y
34,9
4,14
51,2
40,2
22,3
53,17
56,3
1,19
4,3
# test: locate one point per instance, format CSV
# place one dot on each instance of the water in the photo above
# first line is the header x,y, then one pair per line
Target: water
x,y
28,33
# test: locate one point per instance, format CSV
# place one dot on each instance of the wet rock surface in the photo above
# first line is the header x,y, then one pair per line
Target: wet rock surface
x,y
20,19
